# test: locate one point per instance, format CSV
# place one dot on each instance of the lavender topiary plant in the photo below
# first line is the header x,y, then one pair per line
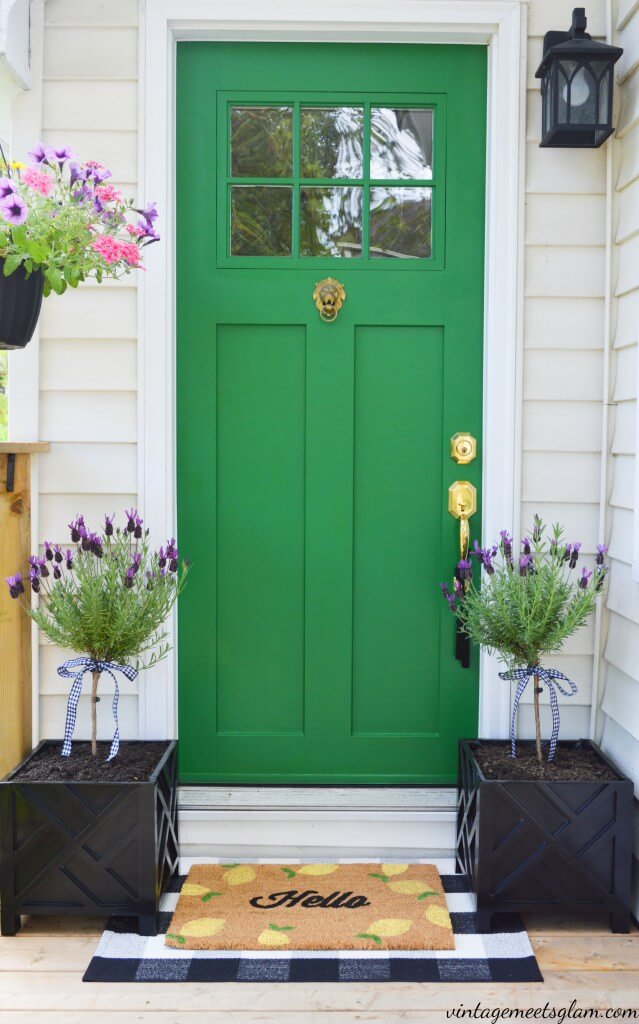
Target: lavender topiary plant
x,y
107,598
526,607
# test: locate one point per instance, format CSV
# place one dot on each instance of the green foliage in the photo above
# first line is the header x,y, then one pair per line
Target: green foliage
x,y
524,609
104,608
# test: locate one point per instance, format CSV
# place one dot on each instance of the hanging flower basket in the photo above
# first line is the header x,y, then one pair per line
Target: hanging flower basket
x,y
20,302
61,222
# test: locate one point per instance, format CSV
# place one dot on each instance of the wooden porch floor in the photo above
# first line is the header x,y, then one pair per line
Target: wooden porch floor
x,y
41,971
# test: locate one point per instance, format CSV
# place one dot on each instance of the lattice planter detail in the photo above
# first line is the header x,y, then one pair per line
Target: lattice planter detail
x,y
96,848
545,846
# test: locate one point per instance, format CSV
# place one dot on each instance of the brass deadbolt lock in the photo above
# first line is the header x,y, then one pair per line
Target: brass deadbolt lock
x,y
463,448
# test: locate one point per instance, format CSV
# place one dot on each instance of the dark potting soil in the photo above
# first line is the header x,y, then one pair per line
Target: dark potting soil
x,y
134,762
570,764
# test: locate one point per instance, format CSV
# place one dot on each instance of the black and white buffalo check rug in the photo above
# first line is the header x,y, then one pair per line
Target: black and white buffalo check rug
x,y
503,955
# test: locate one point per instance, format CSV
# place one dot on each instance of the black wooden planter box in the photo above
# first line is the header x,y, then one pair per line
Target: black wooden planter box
x,y
535,845
97,848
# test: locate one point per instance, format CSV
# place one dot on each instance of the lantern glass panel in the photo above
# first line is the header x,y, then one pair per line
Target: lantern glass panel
x,y
578,94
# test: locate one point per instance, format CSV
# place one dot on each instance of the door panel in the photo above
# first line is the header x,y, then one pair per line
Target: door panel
x,y
312,461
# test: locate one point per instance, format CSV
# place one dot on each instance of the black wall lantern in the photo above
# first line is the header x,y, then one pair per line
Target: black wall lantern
x,y
576,87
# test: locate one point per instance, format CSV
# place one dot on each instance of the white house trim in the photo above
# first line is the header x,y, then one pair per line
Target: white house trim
x,y
498,24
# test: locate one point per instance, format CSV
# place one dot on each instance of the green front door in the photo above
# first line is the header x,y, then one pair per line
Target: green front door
x,y
313,457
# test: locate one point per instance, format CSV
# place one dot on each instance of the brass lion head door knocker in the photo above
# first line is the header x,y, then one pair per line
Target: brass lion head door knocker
x,y
329,296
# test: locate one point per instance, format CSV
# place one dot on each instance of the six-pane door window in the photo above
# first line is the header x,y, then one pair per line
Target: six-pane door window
x,y
331,181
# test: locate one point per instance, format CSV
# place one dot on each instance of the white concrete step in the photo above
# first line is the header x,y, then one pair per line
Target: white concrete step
x,y
277,821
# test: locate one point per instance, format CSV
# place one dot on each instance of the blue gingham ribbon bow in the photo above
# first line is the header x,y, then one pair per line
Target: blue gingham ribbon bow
x,y
551,677
89,665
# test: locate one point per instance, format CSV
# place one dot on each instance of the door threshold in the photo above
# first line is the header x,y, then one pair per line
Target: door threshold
x,y
274,821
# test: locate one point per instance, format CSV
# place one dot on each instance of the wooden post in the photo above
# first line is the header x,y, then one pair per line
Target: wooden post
x,y
15,624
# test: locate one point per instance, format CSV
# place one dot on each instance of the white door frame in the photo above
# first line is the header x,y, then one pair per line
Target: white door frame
x,y
498,24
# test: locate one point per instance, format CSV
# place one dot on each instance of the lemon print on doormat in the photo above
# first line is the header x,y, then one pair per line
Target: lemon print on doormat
x,y
275,935
238,874
314,870
386,928
439,916
194,889
200,928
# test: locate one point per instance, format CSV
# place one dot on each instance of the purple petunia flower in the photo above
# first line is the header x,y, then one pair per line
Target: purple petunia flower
x,y
59,154
7,187
15,584
150,214
584,579
39,154
14,210
602,551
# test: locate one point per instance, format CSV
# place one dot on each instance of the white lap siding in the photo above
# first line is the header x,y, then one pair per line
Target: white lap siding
x,y
88,348
88,399
619,723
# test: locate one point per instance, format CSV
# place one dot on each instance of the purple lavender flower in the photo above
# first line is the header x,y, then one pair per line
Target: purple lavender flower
x,y
56,572
584,579
75,526
602,551
135,565
537,526
464,570
7,187
69,558
108,526
526,545
602,572
58,554
506,543
42,566
525,565
131,515
574,553
150,582
15,584
128,577
14,210
48,550
35,582
162,558
479,553
59,155
137,533
85,539
450,598
39,154
95,543
34,563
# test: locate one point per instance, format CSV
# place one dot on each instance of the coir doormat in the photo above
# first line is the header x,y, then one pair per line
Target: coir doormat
x,y
505,954
311,906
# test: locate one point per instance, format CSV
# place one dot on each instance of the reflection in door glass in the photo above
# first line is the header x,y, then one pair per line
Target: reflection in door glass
x,y
261,220
401,143
400,222
331,221
331,142
261,142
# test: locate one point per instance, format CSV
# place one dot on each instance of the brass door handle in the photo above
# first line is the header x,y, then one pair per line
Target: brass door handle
x,y
462,504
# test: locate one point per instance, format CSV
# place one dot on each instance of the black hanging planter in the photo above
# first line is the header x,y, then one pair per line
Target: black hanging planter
x,y
536,845
78,847
20,302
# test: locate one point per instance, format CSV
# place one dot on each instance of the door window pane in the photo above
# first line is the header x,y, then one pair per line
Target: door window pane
x,y
400,222
331,142
261,142
331,221
261,220
401,143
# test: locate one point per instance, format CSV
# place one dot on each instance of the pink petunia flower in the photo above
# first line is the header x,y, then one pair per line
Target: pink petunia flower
x,y
39,181
135,229
130,253
107,193
108,247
